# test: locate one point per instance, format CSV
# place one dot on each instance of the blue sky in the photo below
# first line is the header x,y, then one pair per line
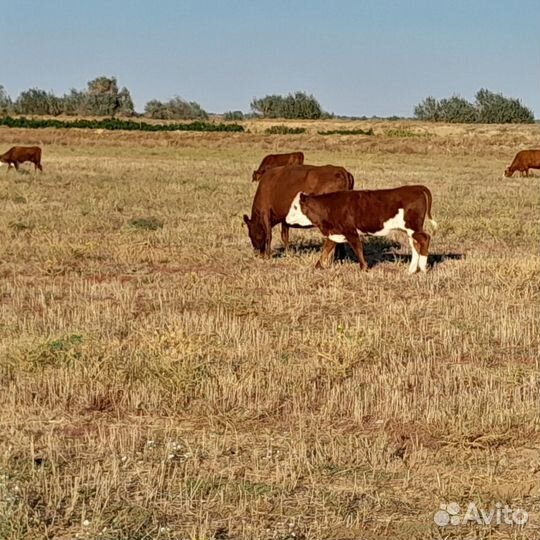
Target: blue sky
x,y
363,57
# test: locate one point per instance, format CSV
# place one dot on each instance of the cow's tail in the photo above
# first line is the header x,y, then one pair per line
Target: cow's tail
x,y
434,225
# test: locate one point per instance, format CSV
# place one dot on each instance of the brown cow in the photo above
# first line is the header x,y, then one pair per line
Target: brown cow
x,y
19,154
524,160
344,216
275,192
277,160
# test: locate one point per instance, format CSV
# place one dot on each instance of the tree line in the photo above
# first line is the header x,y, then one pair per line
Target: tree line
x,y
103,97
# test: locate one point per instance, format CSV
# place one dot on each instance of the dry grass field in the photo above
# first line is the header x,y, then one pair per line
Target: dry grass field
x,y
158,380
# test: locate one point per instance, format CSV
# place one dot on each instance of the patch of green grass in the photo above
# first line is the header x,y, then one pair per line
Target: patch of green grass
x,y
347,132
400,132
115,124
284,130
149,223
20,226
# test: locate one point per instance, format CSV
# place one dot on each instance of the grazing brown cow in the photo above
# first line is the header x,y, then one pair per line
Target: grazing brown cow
x,y
344,216
524,160
275,192
19,154
277,160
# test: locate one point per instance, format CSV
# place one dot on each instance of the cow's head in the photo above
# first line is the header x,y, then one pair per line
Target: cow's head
x,y
256,232
297,214
508,172
3,158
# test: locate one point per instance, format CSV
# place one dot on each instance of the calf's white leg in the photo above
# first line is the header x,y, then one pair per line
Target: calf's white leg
x,y
413,267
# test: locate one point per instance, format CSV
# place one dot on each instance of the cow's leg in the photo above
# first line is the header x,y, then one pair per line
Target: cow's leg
x,y
327,254
358,247
413,267
285,235
16,165
268,231
421,243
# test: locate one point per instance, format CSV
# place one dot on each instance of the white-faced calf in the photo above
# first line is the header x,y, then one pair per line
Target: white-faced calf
x,y
345,216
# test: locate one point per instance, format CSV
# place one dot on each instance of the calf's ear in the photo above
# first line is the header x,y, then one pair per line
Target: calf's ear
x,y
247,220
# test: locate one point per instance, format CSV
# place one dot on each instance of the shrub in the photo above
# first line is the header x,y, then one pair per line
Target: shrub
x,y
429,109
39,102
73,103
458,110
347,132
400,132
114,124
495,108
284,130
298,105
233,115
5,101
102,98
174,109
149,224
489,108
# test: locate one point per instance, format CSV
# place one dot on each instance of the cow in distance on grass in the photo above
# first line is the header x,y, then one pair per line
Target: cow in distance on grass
x,y
19,154
277,160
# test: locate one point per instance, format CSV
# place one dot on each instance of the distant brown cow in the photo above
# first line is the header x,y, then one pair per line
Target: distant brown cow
x,y
277,160
344,216
19,154
275,192
524,160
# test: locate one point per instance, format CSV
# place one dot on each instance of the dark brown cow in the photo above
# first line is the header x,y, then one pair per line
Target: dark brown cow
x,y
275,192
524,160
344,216
19,154
277,160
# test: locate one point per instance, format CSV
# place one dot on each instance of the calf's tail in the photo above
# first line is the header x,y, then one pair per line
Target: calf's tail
x,y
434,225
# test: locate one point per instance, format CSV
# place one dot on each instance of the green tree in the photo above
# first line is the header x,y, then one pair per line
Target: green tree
x,y
175,109
5,101
233,115
125,103
271,106
38,102
429,110
298,105
102,98
155,109
73,103
488,108
497,109
457,110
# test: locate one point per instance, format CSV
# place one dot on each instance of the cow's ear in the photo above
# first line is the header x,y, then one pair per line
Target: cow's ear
x,y
247,220
303,196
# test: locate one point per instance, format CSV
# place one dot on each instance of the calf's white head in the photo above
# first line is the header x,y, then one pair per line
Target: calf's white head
x,y
296,216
